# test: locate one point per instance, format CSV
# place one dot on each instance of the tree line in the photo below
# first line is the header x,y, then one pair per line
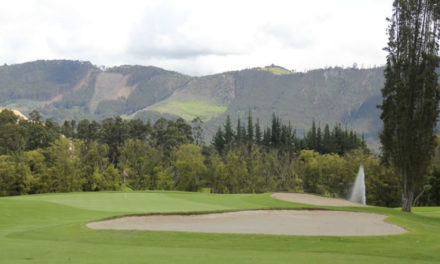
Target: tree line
x,y
283,137
117,154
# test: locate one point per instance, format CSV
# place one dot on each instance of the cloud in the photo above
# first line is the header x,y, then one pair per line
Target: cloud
x,y
289,36
168,33
196,37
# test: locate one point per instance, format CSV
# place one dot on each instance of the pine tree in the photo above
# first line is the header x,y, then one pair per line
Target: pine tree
x,y
326,141
243,134
311,137
250,128
267,137
411,92
257,132
238,135
276,131
318,140
219,140
229,134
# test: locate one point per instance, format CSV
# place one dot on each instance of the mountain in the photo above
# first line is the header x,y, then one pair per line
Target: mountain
x,y
63,89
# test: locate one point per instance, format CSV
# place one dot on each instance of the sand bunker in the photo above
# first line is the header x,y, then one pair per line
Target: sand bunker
x,y
313,199
279,222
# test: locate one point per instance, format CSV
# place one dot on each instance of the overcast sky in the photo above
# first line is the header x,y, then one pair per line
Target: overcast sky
x,y
197,37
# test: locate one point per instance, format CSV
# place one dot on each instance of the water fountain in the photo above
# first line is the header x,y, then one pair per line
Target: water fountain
x,y
358,190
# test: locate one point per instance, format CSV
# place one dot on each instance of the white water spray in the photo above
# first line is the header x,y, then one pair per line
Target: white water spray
x,y
358,191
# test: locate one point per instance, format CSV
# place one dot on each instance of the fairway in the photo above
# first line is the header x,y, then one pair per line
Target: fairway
x,y
51,228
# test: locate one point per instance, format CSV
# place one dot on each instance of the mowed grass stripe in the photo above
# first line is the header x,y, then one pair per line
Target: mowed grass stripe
x,y
51,228
155,202
428,211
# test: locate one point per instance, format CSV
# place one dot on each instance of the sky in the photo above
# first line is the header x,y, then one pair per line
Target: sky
x,y
197,37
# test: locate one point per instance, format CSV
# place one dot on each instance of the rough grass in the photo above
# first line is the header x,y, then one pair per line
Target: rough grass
x,y
190,109
276,70
51,228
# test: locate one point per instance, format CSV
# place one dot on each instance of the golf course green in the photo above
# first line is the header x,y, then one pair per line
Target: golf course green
x,y
51,228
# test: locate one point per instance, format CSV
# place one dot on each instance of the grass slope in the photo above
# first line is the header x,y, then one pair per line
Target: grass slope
x,y
276,70
190,109
51,228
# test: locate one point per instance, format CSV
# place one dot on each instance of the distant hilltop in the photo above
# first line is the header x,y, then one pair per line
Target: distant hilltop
x,y
16,112
65,90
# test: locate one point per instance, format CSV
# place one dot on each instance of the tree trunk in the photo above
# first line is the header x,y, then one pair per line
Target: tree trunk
x,y
407,200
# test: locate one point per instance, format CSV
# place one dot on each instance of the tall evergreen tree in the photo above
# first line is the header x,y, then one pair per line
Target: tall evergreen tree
x,y
319,140
238,135
243,134
267,137
311,137
327,140
258,132
229,133
276,131
219,140
411,92
250,128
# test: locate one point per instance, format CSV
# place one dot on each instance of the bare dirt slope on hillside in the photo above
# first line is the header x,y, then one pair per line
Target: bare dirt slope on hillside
x,y
110,86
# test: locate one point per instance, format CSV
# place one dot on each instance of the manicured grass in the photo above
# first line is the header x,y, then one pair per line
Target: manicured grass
x,y
428,211
50,228
191,109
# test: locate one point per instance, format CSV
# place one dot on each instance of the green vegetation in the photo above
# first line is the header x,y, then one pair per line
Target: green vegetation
x,y
428,211
276,70
283,137
40,80
333,95
51,228
171,155
17,135
79,97
411,97
150,90
190,109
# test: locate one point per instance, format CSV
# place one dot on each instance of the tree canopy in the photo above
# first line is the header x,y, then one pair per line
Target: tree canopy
x,y
119,154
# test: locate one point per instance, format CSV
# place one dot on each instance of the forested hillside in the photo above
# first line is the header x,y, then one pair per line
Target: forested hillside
x,y
65,90
40,80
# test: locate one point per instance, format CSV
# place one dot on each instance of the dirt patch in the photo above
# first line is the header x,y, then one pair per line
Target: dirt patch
x,y
84,82
278,222
313,199
110,86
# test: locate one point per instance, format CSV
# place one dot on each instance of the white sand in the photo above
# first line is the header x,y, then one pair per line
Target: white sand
x,y
313,199
279,222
